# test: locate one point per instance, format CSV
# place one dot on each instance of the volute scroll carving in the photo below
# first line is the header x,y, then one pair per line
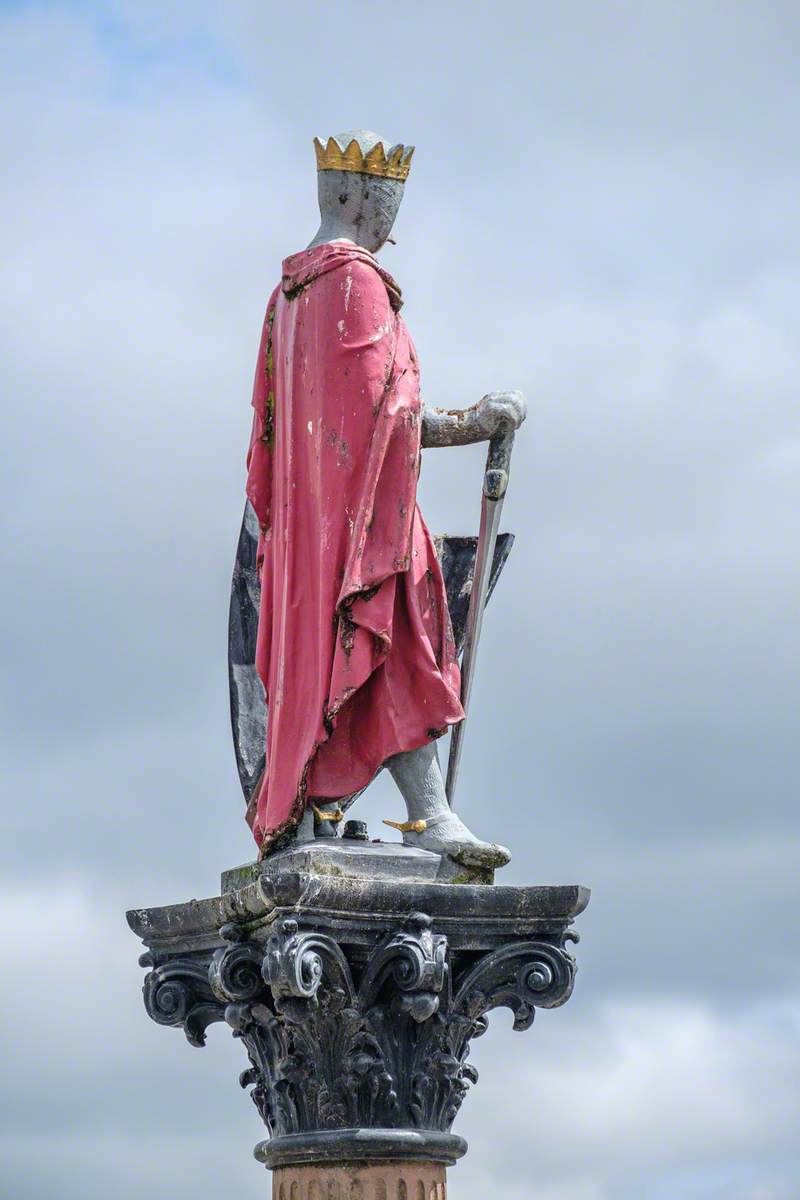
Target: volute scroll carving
x,y
178,993
339,1043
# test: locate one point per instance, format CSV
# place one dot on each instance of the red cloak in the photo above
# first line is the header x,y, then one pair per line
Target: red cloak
x,y
355,648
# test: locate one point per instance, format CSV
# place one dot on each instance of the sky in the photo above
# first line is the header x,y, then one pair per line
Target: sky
x,y
602,211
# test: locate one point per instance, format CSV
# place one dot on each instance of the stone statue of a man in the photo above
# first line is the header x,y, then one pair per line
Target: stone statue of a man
x,y
355,648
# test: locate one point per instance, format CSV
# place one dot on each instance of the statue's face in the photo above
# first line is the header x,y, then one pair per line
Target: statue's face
x,y
382,198
367,203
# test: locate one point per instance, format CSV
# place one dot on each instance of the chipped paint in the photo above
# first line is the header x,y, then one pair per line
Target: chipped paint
x,y
348,504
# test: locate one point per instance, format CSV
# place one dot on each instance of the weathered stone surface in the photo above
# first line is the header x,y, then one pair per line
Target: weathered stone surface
x,y
342,858
356,998
491,913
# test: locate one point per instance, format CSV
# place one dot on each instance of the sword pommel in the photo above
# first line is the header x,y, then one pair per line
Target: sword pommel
x,y
495,484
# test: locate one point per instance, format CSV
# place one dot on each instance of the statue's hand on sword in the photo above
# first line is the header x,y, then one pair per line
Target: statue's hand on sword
x,y
501,412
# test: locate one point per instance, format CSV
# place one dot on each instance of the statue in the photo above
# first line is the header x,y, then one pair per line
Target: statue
x,y
355,648
356,973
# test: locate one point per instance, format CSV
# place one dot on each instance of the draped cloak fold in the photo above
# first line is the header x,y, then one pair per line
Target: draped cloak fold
x,y
355,648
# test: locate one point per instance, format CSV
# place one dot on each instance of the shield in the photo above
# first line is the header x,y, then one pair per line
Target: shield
x,y
248,709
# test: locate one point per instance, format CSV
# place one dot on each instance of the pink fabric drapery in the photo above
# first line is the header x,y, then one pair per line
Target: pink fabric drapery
x,y
355,648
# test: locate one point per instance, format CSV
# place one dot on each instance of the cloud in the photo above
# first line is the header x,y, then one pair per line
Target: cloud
x,y
644,1088
603,212
616,1097
637,1100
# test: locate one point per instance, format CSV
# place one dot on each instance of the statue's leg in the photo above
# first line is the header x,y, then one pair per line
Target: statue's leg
x,y
419,777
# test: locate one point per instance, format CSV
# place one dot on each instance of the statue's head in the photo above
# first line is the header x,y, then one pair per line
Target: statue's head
x,y
361,178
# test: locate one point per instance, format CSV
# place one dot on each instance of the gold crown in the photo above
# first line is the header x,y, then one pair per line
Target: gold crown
x,y
375,162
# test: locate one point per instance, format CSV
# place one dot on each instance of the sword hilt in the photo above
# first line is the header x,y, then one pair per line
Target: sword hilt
x,y
498,465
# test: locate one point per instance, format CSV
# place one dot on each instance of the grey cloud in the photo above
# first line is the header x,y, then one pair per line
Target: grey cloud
x,y
603,212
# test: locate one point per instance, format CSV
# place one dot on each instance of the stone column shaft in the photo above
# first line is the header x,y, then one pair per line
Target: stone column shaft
x,y
361,1181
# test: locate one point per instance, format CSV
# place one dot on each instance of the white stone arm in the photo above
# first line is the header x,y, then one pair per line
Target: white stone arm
x,y
497,412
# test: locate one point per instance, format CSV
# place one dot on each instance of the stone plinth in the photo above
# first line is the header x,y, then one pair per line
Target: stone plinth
x,y
356,981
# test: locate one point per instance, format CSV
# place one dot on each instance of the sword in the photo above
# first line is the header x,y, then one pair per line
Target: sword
x,y
495,482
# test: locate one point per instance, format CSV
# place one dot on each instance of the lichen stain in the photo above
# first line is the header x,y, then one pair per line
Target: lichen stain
x,y
347,632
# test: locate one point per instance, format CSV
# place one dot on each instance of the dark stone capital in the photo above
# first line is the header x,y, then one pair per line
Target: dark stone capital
x,y
357,1006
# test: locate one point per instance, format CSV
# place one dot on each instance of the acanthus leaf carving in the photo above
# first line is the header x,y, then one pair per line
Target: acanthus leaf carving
x,y
326,1053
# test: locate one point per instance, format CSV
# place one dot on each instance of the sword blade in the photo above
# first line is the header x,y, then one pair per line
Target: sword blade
x,y
494,490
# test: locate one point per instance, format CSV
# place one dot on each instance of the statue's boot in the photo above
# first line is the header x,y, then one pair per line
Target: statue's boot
x,y
327,816
320,820
448,835
431,824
